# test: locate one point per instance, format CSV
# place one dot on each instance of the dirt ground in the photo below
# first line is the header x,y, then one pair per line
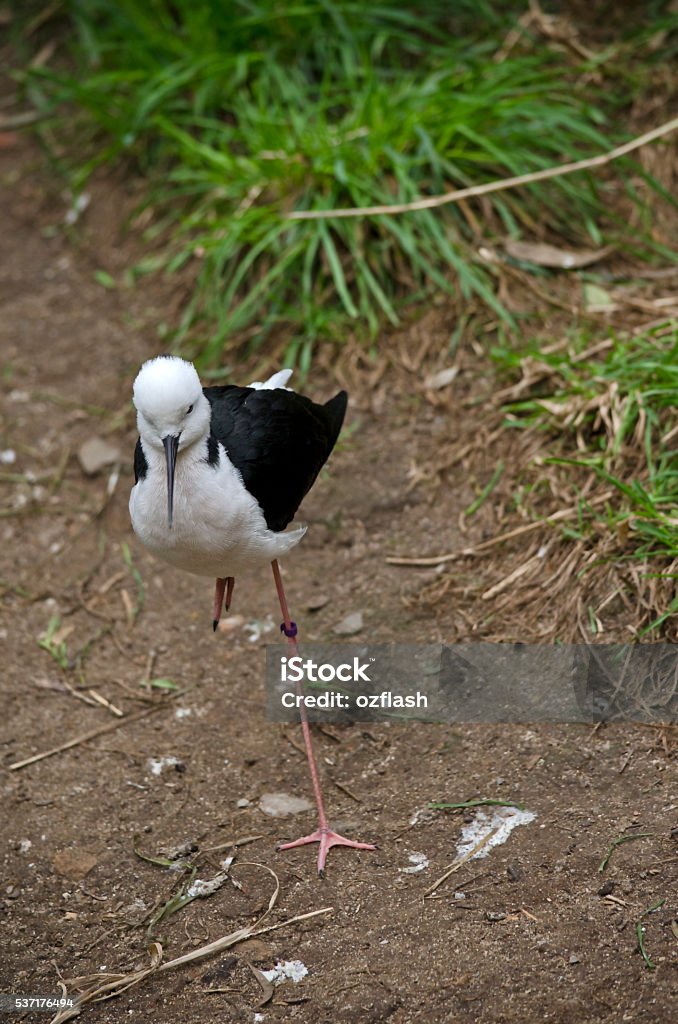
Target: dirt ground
x,y
533,932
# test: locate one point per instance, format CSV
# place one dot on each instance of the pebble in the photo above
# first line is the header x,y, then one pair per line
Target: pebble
x,y
352,624
74,864
418,862
279,805
95,454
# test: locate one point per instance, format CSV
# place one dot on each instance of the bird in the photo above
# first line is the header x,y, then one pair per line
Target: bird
x,y
219,474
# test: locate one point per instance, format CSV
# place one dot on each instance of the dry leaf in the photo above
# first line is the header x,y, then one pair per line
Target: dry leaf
x,y
441,379
597,300
544,255
267,986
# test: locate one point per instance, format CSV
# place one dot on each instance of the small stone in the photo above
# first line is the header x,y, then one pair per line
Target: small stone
x,y
351,625
317,602
574,959
94,455
493,915
606,888
74,864
180,850
243,802
280,805
514,872
418,862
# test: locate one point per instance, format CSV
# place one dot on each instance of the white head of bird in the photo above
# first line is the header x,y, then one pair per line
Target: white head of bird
x,y
172,411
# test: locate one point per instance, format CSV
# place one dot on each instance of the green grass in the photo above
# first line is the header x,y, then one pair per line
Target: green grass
x,y
237,113
617,406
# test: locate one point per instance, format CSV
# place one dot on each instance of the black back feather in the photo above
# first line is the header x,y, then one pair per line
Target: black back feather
x,y
278,440
140,464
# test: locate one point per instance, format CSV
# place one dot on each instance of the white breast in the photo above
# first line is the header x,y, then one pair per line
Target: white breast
x,y
218,528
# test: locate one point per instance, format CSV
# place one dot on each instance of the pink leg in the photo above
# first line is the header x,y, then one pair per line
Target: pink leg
x,y
224,585
323,835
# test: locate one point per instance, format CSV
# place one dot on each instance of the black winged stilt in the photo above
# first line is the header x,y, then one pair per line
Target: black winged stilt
x,y
219,474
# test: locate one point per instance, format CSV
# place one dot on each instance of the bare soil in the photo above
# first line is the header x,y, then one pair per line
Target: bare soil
x,y
534,938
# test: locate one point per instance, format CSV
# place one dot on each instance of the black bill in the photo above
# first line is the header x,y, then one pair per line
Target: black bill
x,y
171,446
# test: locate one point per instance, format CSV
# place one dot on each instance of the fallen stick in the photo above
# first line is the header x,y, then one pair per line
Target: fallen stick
x,y
85,736
244,933
462,860
431,202
563,513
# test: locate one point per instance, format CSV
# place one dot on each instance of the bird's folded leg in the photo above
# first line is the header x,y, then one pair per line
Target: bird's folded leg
x,y
224,585
323,835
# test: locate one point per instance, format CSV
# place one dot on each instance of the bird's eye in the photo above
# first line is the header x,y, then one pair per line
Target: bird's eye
x,y
189,410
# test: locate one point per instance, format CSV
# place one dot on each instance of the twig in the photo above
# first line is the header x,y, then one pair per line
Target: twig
x,y
20,120
233,843
345,789
475,803
521,570
85,736
105,703
431,202
219,945
462,860
563,513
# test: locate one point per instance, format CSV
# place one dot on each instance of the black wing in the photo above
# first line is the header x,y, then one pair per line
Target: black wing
x,y
278,440
140,464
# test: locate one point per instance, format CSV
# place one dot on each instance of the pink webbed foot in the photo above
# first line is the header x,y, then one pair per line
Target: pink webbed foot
x,y
327,839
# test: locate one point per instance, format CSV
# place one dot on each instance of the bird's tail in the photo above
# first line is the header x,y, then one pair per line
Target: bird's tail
x,y
336,410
